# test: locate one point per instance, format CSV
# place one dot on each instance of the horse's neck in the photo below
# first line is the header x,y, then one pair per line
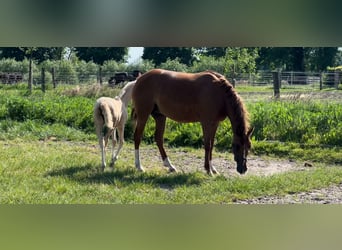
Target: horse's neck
x,y
125,98
237,116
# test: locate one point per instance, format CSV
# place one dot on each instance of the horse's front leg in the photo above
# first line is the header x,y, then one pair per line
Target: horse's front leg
x,y
159,137
209,130
137,139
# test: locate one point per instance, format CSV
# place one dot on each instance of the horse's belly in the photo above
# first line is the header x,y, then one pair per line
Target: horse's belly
x,y
182,114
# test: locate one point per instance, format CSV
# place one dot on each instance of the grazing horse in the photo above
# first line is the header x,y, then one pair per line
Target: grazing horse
x,y
205,97
111,114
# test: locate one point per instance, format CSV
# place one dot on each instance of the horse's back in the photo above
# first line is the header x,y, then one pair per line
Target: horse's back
x,y
181,96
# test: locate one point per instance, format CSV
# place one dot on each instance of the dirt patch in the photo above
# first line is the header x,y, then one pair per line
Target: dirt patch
x,y
187,162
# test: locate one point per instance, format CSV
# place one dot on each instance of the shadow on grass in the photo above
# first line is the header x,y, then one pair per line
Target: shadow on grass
x,y
88,174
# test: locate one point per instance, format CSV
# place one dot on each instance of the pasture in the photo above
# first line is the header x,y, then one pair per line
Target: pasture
x,y
50,154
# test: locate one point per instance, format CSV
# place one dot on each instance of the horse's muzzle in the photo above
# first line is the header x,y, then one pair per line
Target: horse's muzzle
x,y
242,167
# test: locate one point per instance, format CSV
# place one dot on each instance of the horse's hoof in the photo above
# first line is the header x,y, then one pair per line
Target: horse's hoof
x,y
141,169
215,172
173,170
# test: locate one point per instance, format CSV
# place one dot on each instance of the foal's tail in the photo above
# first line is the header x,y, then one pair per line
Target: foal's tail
x,y
107,115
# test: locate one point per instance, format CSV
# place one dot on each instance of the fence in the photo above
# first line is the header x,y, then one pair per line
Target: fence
x,y
312,79
66,77
307,79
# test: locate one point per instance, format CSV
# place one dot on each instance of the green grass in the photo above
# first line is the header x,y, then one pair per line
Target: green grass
x,y
49,152
41,172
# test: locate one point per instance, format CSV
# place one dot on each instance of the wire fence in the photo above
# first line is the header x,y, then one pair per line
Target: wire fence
x,y
312,80
300,79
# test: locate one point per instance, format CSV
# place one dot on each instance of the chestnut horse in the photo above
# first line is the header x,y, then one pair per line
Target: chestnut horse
x,y
205,97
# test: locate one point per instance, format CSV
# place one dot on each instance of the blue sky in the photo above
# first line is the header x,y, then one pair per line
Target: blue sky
x,y
134,54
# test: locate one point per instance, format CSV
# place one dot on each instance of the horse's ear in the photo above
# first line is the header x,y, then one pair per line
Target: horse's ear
x,y
250,132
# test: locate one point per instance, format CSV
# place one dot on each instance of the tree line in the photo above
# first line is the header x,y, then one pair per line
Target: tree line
x,y
228,59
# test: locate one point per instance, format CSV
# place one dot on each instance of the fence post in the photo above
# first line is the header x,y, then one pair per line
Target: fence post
x,y
53,77
276,84
336,79
100,75
43,79
30,80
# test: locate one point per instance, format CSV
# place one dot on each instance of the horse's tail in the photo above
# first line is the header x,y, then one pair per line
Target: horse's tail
x,y
107,115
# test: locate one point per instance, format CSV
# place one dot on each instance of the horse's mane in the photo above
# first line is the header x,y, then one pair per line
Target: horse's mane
x,y
241,114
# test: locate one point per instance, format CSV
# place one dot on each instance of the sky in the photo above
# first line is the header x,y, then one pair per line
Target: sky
x,y
134,54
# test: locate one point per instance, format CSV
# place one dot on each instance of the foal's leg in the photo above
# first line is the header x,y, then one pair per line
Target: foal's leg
x,y
121,141
103,152
100,136
159,137
209,130
114,141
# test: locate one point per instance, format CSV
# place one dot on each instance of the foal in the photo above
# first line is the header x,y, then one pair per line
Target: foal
x,y
111,114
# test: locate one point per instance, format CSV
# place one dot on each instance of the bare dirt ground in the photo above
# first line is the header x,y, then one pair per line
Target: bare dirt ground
x,y
187,161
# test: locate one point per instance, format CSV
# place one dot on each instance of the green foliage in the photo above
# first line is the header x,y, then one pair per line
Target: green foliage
x,y
111,66
142,66
66,72
101,54
74,112
301,122
240,60
174,65
184,134
11,66
208,63
159,55
86,71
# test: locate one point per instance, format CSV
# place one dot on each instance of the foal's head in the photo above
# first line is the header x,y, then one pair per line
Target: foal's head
x,y
241,146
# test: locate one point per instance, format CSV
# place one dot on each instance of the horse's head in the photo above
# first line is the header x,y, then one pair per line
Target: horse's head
x,y
241,146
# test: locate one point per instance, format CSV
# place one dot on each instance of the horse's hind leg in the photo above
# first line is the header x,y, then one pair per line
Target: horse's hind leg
x,y
159,137
139,129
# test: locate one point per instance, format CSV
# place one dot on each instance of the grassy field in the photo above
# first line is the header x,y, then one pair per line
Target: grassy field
x,y
56,172
49,152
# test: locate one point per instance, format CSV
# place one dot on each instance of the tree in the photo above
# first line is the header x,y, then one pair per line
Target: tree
x,y
12,53
240,60
297,58
216,52
39,54
101,54
159,55
322,57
